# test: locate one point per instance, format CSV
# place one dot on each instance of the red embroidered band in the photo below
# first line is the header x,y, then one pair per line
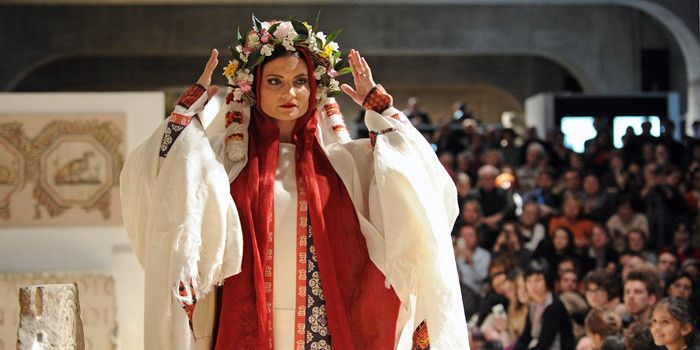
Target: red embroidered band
x,y
191,95
302,231
377,100
331,109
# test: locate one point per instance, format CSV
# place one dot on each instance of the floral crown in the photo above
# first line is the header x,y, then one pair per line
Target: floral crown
x,y
261,40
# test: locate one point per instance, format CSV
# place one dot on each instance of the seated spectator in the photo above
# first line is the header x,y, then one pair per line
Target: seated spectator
x,y
672,324
682,246
415,113
570,263
494,293
602,291
502,328
638,336
472,263
599,325
574,303
630,261
548,325
557,246
531,229
570,185
624,220
667,265
615,342
471,215
581,228
495,203
527,173
601,252
597,205
684,286
641,292
464,185
543,194
665,207
508,243
637,243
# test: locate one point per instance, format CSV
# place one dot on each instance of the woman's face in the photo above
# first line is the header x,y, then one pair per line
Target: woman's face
x,y
596,296
666,329
560,240
536,286
591,185
681,288
285,89
636,241
598,237
470,214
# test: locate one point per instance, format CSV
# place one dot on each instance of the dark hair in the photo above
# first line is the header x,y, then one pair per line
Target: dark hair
x,y
650,280
540,267
683,274
613,342
638,336
681,311
277,52
609,281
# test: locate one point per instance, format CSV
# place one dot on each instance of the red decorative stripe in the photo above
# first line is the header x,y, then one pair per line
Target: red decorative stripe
x,y
234,117
302,231
338,127
331,109
421,340
191,95
268,265
180,119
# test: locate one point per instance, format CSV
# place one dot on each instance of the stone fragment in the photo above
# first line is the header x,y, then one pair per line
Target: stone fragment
x,y
50,318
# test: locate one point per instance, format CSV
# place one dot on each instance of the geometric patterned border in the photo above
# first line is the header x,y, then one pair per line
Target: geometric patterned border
x,y
13,150
88,175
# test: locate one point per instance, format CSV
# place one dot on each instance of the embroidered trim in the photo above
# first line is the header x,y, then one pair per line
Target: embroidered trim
x,y
373,134
268,268
317,335
188,301
302,231
421,340
331,109
377,100
172,131
191,95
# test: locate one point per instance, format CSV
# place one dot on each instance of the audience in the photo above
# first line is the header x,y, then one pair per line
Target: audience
x,y
625,219
672,324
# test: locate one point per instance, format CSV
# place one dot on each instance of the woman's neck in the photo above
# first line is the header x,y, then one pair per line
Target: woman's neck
x,y
286,127
678,345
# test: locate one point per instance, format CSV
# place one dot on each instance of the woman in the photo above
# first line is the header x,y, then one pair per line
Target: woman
x,y
548,325
558,246
504,325
602,290
335,232
601,252
682,285
672,325
599,325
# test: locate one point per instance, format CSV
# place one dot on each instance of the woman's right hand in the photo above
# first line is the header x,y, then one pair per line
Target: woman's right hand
x,y
205,78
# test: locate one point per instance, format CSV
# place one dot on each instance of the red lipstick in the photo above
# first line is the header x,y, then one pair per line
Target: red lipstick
x,y
288,105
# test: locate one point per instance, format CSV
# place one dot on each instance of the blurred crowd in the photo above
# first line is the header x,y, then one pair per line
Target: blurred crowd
x,y
563,250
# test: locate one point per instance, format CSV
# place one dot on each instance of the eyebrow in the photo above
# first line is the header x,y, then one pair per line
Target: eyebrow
x,y
279,76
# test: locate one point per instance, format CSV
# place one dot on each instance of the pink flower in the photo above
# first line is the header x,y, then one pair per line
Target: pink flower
x,y
244,87
247,50
265,37
333,73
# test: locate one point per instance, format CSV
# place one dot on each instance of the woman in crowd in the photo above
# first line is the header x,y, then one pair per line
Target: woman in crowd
x,y
505,323
637,243
672,325
602,290
599,325
548,324
558,245
601,252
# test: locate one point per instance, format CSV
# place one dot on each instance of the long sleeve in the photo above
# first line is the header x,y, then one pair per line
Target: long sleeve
x,y
183,226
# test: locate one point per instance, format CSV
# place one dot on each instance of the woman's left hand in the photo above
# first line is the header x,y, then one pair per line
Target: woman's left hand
x,y
362,76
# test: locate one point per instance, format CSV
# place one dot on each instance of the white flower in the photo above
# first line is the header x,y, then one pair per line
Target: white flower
x,y
266,50
288,44
334,45
334,85
237,94
244,76
265,25
312,43
285,30
321,36
321,92
319,71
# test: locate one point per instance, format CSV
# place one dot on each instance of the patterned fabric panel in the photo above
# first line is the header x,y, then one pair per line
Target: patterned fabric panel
x,y
377,100
190,96
317,336
421,340
176,123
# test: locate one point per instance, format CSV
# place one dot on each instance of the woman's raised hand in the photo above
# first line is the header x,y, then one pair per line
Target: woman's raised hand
x,y
205,79
362,75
